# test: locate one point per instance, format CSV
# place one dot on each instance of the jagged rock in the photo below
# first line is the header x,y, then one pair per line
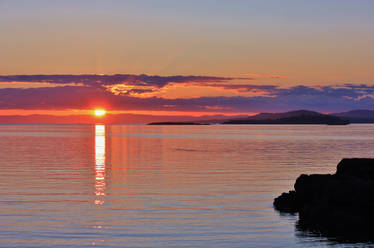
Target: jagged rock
x,y
286,202
342,203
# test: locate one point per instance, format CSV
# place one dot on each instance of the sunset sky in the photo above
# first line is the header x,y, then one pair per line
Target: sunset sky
x,y
171,57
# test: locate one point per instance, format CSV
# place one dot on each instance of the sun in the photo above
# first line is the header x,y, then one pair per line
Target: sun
x,y
99,112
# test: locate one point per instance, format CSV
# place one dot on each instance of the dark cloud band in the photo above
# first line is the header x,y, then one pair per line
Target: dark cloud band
x,y
91,91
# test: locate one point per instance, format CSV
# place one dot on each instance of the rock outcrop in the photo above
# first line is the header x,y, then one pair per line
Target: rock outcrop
x,y
340,204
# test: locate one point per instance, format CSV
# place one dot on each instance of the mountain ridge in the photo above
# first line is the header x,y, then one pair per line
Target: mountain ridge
x,y
291,117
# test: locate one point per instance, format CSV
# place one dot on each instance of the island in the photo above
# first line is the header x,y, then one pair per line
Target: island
x,y
297,117
340,205
176,123
292,117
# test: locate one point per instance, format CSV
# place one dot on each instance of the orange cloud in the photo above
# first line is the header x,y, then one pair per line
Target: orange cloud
x,y
187,90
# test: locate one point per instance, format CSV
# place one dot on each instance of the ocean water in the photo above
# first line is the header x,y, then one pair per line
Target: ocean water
x,y
163,186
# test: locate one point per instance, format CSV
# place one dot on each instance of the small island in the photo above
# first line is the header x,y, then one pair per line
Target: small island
x,y
171,123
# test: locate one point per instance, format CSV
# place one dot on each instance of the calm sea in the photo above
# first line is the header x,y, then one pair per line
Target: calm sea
x,y
162,186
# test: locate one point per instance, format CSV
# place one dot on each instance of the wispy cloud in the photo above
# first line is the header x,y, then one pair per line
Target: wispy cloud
x,y
95,80
259,75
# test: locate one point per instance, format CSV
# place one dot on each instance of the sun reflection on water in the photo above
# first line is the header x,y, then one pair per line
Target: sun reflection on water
x,y
99,163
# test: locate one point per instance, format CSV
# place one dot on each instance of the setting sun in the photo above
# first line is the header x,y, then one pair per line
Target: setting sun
x,y
99,112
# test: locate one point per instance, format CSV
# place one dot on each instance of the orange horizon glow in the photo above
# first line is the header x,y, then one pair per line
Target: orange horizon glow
x,y
89,112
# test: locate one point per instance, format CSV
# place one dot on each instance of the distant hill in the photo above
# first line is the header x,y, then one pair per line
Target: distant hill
x,y
357,116
172,123
274,116
292,117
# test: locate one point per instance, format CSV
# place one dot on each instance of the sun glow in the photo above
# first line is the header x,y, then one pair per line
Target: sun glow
x,y
99,112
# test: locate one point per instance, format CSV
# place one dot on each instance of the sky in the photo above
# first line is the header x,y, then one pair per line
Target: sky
x,y
185,57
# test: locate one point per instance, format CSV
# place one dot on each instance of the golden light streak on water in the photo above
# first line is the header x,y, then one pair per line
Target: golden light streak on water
x,y
99,164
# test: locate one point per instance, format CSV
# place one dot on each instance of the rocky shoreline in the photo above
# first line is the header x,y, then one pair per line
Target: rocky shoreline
x,y
340,205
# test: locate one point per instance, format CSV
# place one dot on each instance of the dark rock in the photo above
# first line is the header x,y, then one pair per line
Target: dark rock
x,y
342,203
356,167
286,202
